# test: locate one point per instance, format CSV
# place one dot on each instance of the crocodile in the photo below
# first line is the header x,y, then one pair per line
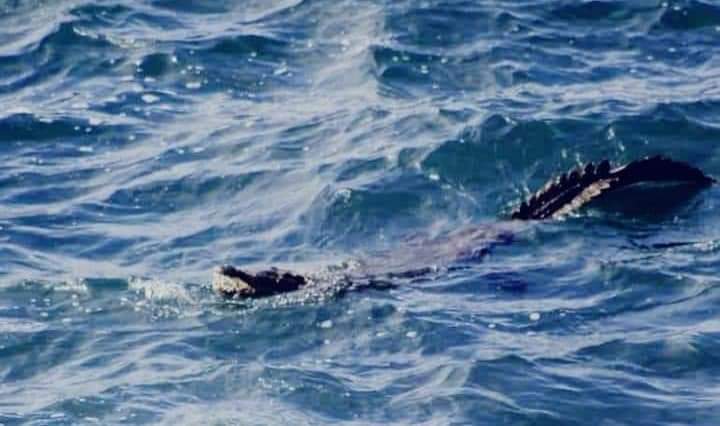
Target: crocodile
x,y
559,197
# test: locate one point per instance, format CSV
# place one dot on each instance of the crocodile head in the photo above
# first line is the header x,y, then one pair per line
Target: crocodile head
x,y
232,282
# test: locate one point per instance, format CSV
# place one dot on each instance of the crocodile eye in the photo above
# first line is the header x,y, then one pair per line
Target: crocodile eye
x,y
563,179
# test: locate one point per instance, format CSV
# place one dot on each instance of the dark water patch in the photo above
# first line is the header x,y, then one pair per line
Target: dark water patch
x,y
49,49
320,391
688,16
17,76
44,189
588,44
667,50
124,17
636,291
400,70
200,238
179,194
439,26
50,194
210,7
503,146
351,214
47,58
612,19
361,168
66,34
702,112
40,239
380,210
247,62
157,65
675,357
150,104
530,54
665,125
28,127
264,47
592,10
507,282
523,399
297,142
49,143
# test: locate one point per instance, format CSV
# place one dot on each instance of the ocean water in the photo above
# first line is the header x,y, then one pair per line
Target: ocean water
x,y
144,142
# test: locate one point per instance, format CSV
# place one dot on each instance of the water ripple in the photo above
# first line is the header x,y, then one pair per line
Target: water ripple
x,y
143,143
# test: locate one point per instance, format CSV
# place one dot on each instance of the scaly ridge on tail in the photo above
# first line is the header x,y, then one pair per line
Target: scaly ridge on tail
x,y
572,190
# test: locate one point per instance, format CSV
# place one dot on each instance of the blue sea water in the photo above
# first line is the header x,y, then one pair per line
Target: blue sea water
x,y
144,142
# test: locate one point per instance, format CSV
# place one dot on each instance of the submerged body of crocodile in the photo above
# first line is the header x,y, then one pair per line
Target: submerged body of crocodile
x,y
560,196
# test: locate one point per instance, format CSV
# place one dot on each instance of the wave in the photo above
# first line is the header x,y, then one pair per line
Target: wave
x,y
694,15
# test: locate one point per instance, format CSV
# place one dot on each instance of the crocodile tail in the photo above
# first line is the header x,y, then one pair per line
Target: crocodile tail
x,y
572,190
658,169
